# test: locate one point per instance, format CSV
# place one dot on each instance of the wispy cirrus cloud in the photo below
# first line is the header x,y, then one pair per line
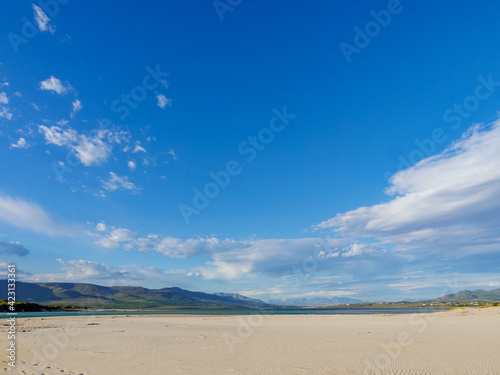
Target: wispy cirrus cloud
x,y
116,182
27,215
42,20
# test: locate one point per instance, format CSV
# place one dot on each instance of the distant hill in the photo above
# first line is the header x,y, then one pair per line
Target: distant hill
x,y
471,296
239,297
119,297
316,301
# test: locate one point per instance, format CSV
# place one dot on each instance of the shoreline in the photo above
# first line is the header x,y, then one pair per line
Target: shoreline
x,y
227,312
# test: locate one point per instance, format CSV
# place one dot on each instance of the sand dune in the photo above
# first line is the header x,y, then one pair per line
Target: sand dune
x,y
454,342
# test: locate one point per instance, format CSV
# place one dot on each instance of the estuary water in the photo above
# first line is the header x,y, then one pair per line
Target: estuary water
x,y
298,311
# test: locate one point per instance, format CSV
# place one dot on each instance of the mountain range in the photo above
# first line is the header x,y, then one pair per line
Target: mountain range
x,y
478,295
119,297
81,294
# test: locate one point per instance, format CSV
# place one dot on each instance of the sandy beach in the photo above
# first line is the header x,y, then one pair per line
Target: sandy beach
x,y
453,342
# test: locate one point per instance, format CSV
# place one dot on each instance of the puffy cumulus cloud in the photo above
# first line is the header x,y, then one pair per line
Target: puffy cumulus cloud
x,y
116,182
114,237
233,259
42,20
278,257
54,84
446,204
13,248
91,149
163,101
57,136
132,164
101,227
21,143
4,111
77,107
27,215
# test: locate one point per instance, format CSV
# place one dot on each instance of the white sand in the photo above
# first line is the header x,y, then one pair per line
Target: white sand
x,y
455,342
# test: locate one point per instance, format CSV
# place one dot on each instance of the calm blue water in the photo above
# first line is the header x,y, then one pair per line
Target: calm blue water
x,y
228,312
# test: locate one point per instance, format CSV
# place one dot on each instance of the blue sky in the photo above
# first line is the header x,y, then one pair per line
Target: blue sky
x,y
371,174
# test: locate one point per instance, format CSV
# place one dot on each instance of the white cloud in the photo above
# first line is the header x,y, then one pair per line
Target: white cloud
x,y
354,249
114,237
3,98
90,150
21,143
172,153
101,227
447,203
323,294
116,182
80,270
240,258
131,164
26,215
42,20
54,84
163,101
4,113
77,106
138,147
58,136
